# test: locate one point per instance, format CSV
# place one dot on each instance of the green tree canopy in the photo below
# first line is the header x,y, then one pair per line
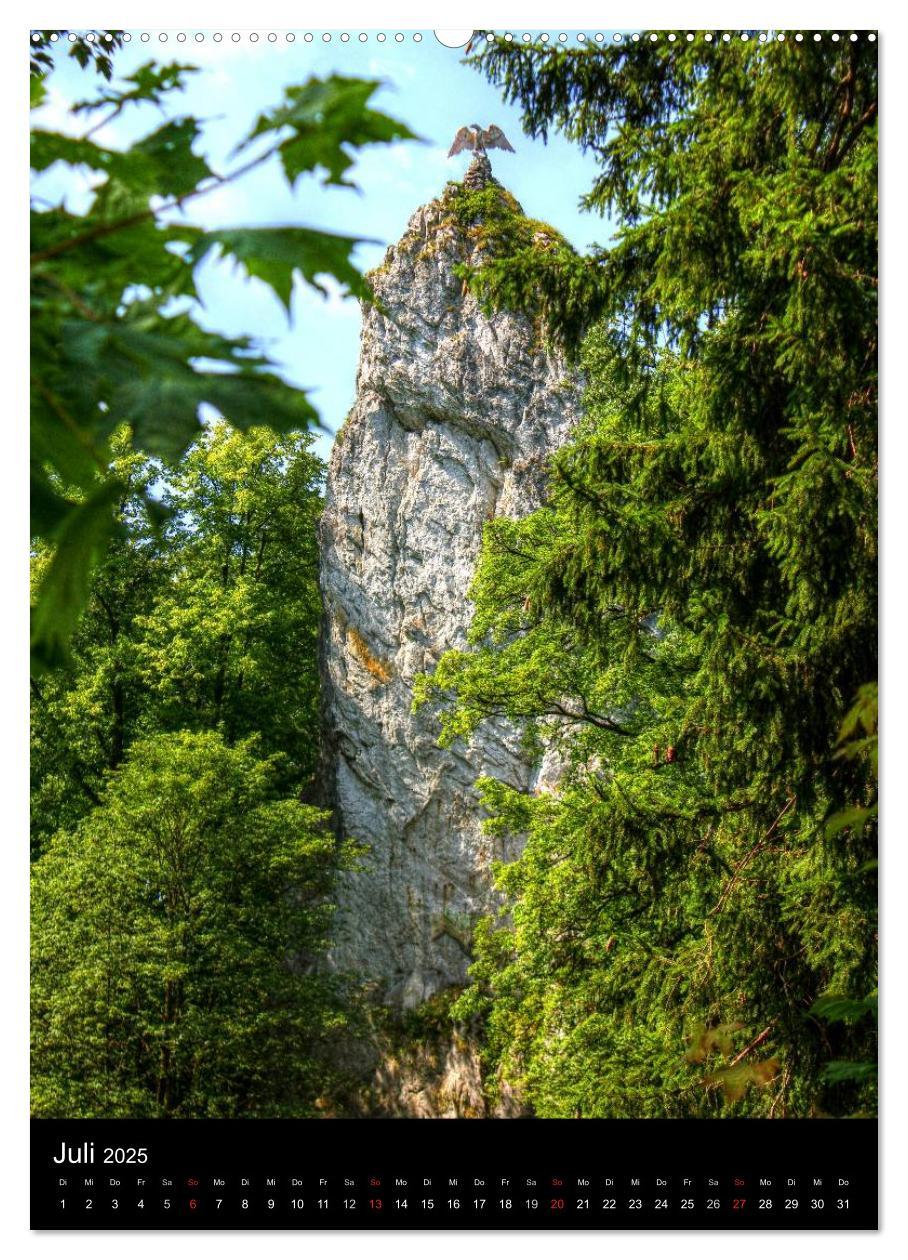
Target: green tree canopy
x,y
231,641
210,622
694,612
172,932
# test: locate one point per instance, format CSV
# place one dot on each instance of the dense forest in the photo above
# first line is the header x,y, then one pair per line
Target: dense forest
x,y
691,927
177,863
690,620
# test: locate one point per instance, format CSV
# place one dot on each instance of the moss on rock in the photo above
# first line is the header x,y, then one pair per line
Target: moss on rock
x,y
494,220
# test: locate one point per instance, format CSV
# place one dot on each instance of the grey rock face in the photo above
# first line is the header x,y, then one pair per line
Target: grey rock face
x,y
454,417
438,1079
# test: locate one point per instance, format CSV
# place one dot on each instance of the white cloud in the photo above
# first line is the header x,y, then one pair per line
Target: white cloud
x,y
54,115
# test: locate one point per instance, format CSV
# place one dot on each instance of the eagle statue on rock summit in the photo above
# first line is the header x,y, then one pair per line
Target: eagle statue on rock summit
x,y
478,139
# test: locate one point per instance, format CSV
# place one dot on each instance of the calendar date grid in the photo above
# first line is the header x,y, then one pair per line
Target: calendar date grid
x,y
374,1196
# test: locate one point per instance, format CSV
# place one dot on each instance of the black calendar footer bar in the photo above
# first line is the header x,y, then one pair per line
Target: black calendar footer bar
x,y
454,1174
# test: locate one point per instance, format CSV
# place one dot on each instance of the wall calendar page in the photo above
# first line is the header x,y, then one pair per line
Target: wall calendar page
x,y
454,629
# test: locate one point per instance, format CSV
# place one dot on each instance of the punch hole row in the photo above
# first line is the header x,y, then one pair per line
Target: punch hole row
x,y
526,37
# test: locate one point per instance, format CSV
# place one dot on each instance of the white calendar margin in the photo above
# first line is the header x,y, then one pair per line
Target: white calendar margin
x,y
532,15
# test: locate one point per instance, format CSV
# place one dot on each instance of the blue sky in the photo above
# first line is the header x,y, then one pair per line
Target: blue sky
x,y
424,84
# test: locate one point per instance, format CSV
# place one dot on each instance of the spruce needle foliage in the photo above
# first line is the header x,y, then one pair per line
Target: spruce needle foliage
x,y
689,619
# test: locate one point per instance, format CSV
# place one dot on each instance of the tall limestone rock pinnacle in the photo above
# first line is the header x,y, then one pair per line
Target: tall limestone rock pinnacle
x,y
455,415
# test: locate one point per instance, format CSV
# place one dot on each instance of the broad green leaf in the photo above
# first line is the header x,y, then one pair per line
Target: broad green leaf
x,y
842,1071
154,380
835,1008
47,507
149,83
863,715
105,353
324,116
855,817
161,164
705,1041
168,151
64,447
735,1081
164,412
48,147
79,542
277,254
